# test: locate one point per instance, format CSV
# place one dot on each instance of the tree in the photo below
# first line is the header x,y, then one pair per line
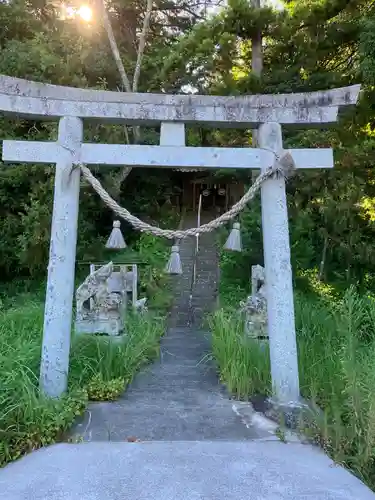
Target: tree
x,y
310,45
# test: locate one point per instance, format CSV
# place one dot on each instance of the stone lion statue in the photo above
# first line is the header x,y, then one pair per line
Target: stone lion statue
x,y
98,309
255,307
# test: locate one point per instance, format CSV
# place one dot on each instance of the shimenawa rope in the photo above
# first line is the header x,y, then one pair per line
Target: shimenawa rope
x,y
282,166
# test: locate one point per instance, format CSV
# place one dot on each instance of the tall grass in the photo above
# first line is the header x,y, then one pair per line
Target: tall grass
x,y
99,369
244,365
109,359
336,346
336,349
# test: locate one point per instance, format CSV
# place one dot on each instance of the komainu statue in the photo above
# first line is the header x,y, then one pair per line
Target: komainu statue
x,y
255,307
100,308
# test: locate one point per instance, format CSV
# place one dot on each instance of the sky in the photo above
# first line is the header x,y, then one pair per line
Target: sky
x,y
86,13
278,4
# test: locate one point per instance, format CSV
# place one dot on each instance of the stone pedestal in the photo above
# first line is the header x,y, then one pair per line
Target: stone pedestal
x,y
107,326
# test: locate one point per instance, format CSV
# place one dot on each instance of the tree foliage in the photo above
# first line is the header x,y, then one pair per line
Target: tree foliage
x,y
309,45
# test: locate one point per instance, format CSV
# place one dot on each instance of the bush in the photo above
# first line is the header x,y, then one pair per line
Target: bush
x,y
100,358
27,421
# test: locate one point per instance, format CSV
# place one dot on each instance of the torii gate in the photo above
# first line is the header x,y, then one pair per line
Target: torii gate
x,y
266,112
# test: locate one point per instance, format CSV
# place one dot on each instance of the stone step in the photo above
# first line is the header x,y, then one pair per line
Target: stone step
x,y
191,358
204,338
182,349
177,340
177,345
192,301
187,390
187,332
187,400
202,302
180,366
180,469
179,424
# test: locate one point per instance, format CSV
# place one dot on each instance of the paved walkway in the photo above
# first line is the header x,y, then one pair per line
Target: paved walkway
x,y
178,470
194,442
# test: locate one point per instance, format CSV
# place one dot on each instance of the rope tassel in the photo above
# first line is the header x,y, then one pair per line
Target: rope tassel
x,y
234,242
116,240
174,263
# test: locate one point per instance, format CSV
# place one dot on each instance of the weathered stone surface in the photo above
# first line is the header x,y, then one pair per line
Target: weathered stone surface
x,y
101,302
163,156
193,301
255,307
278,275
23,97
61,268
109,326
222,470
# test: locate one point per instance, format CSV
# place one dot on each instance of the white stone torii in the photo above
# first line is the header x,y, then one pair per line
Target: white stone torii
x,y
268,112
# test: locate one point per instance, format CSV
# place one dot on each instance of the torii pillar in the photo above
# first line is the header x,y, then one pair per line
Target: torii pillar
x,y
62,256
278,276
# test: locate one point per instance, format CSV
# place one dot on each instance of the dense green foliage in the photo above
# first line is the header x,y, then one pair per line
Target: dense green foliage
x,y
99,370
37,45
309,45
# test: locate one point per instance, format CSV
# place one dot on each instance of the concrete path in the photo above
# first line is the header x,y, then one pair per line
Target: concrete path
x,y
175,470
194,442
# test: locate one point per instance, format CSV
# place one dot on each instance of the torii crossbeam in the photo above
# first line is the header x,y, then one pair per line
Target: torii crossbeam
x,y
265,112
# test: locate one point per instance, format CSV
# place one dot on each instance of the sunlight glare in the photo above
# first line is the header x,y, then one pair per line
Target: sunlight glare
x,y
276,4
85,13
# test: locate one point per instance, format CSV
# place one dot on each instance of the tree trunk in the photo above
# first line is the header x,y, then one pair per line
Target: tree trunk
x,y
124,77
256,48
323,260
256,66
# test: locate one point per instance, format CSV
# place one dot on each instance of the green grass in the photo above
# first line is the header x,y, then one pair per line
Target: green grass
x,y
244,366
99,370
336,349
102,358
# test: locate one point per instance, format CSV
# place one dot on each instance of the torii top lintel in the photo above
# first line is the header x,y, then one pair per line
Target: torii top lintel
x,y
43,101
